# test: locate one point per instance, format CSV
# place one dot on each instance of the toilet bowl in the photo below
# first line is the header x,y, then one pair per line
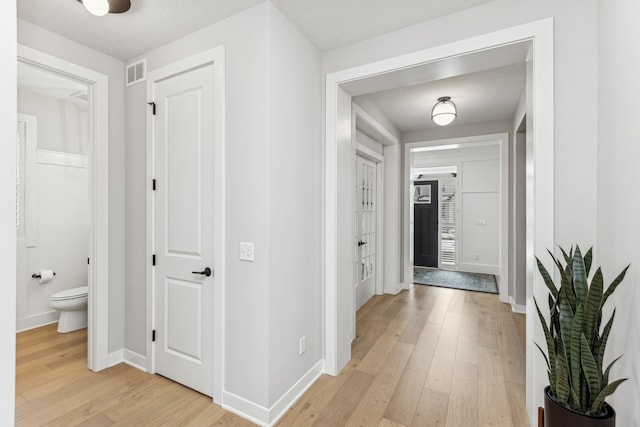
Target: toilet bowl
x,y
72,305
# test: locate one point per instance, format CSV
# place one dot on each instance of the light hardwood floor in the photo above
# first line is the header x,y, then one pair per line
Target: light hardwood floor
x,y
426,357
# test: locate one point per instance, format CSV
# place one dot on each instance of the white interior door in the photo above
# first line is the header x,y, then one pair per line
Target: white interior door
x,y
183,228
365,214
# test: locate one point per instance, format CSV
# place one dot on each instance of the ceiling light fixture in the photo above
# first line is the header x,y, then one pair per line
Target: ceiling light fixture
x,y
102,7
444,112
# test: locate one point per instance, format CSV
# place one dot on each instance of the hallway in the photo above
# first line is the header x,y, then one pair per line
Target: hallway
x,y
426,357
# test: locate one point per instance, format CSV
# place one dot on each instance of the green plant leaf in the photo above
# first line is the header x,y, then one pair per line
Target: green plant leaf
x,y
602,344
592,306
547,279
589,367
579,276
576,331
598,402
567,257
562,381
544,355
588,257
612,287
547,335
605,376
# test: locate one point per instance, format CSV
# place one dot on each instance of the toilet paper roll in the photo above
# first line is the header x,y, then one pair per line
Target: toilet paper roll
x,y
46,276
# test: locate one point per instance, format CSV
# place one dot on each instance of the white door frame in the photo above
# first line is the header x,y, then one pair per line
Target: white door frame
x,y
216,57
98,305
542,223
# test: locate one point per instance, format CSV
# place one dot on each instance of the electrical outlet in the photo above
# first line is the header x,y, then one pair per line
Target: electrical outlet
x,y
247,251
302,345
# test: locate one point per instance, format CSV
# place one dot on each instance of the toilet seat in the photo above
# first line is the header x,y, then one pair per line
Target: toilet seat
x,y
72,293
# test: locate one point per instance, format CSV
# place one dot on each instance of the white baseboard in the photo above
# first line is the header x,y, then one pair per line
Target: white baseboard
x,y
269,416
283,404
37,320
116,357
479,268
135,360
519,308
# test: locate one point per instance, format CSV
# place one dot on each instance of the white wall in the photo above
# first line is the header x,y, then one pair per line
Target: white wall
x,y
53,44
273,196
65,123
618,206
62,240
480,216
246,40
60,198
295,204
8,66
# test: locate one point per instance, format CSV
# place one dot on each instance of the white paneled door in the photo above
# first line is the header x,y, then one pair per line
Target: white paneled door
x,y
365,216
183,228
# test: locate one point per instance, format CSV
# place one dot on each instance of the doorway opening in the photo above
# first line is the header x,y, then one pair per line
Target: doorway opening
x,y
92,86
341,86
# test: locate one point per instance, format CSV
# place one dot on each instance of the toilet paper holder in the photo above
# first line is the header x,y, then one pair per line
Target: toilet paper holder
x,y
38,276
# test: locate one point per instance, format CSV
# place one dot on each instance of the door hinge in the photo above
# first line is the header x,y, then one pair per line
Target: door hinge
x,y
153,107
88,261
153,184
153,259
153,336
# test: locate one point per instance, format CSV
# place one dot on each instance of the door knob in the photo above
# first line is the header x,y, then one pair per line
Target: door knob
x,y
205,272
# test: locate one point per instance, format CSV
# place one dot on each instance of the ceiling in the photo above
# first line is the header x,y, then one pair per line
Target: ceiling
x,y
481,96
152,23
406,97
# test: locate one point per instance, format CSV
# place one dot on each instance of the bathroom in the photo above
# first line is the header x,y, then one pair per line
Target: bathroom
x,y
52,203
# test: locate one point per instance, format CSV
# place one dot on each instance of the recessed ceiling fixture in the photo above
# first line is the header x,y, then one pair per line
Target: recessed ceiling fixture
x,y
102,7
444,111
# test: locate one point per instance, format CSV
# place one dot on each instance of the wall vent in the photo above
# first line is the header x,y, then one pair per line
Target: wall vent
x,y
136,72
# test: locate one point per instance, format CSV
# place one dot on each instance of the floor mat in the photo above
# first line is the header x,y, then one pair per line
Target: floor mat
x,y
455,279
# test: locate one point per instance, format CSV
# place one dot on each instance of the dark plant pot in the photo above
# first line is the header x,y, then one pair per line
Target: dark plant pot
x,y
556,415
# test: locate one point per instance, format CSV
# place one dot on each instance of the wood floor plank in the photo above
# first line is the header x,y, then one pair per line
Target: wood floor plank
x,y
516,394
463,399
372,404
432,409
308,409
388,423
443,362
345,401
428,356
493,403
135,382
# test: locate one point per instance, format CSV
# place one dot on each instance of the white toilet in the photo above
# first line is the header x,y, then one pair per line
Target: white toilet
x,y
72,305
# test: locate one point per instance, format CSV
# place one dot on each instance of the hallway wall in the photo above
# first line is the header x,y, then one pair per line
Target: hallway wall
x,y
618,205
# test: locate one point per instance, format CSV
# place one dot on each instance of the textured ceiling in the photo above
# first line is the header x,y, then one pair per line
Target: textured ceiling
x,y
479,97
147,25
153,23
334,23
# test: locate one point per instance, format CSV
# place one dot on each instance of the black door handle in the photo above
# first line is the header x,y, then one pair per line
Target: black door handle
x,y
205,272
360,243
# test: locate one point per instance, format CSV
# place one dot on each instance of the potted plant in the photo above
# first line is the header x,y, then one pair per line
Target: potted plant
x,y
576,344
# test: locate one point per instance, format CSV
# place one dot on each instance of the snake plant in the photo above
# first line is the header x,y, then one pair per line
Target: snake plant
x,y
575,341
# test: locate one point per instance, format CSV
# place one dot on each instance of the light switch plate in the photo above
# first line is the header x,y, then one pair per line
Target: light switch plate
x,y
247,251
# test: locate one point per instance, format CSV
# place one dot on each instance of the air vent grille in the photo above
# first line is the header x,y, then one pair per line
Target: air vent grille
x,y
136,72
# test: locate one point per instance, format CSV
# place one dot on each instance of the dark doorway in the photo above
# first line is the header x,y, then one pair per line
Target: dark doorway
x,y
425,247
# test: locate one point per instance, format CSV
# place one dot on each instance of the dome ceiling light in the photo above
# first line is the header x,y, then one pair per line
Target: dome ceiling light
x,y
102,7
444,112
